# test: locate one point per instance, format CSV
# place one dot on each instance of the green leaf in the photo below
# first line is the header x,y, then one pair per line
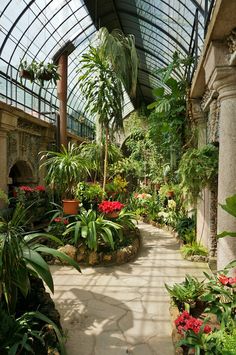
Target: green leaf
x,y
226,234
60,255
230,205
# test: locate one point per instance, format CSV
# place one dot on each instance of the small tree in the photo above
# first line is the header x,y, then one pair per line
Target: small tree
x,y
107,68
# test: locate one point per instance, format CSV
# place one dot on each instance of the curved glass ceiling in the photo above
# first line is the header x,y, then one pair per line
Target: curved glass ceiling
x,y
38,29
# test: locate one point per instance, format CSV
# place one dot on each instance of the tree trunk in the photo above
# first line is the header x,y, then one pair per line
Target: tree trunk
x,y
105,159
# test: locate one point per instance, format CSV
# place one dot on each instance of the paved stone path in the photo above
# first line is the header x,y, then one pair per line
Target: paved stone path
x,y
123,309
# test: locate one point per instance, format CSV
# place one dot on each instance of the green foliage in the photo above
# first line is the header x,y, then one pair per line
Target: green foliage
x,y
167,122
17,335
143,150
39,72
93,229
4,197
65,169
101,88
198,168
185,227
187,292
193,248
229,207
94,152
221,299
89,193
120,50
126,219
20,257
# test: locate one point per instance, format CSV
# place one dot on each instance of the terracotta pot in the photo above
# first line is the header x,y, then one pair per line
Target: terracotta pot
x,y
170,194
113,214
70,206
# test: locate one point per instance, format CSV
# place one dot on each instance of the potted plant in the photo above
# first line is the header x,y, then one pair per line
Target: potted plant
x,y
39,72
28,71
110,209
65,169
47,72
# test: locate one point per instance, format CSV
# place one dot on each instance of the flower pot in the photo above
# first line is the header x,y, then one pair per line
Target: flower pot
x,y
45,76
170,194
26,74
114,214
70,206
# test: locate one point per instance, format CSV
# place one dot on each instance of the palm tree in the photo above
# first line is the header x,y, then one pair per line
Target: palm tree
x,y
106,70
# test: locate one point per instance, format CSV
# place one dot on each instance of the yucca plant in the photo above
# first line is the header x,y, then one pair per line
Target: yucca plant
x,y
92,229
20,257
65,168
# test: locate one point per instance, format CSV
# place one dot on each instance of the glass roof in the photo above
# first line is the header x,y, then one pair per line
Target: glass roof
x,y
37,29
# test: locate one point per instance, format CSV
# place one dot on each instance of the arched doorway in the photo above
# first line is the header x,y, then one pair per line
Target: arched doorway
x,y
20,174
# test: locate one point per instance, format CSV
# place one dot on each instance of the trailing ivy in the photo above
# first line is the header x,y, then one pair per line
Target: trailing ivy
x,y
198,168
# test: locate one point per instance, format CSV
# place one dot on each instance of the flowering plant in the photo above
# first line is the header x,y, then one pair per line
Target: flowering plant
x,y
226,281
107,207
58,226
185,322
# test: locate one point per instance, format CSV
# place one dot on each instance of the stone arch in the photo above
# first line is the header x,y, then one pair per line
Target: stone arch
x,y
21,173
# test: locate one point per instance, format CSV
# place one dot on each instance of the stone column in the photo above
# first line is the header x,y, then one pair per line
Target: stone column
x,y
224,80
3,160
8,122
202,229
62,95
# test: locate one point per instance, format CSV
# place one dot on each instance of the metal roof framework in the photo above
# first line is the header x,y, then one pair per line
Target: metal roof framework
x,y
37,29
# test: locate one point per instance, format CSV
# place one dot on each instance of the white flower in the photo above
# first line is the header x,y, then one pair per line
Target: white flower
x,y
172,204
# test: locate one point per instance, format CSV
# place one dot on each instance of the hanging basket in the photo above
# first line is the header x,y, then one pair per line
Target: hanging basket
x,y
70,206
25,74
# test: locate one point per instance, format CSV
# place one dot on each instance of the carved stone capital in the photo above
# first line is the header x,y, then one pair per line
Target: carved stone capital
x,y
223,80
196,110
231,41
207,98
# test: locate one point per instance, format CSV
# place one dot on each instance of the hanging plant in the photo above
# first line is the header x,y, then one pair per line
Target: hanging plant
x,y
198,168
39,72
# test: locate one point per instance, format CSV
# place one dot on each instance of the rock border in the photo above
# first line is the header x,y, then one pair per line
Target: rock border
x,y
120,256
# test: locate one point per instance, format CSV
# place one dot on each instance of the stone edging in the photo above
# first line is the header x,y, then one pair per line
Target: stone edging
x,y
195,258
93,258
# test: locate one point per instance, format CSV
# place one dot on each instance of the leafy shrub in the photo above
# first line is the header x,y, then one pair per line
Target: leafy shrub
x,y
198,168
187,292
194,248
93,230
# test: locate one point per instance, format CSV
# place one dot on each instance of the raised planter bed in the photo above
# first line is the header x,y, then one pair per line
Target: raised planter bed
x,y
120,256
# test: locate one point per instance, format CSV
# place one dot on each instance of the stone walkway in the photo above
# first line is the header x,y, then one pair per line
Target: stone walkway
x,y
123,309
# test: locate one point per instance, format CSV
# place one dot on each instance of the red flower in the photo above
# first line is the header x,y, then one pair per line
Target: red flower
x,y
232,280
110,206
223,279
207,329
26,188
186,322
39,188
61,220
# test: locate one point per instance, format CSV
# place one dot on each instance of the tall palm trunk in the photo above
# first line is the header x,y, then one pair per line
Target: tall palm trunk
x,y
105,159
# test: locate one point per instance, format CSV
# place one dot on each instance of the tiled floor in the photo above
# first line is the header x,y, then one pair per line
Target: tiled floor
x,y
123,309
